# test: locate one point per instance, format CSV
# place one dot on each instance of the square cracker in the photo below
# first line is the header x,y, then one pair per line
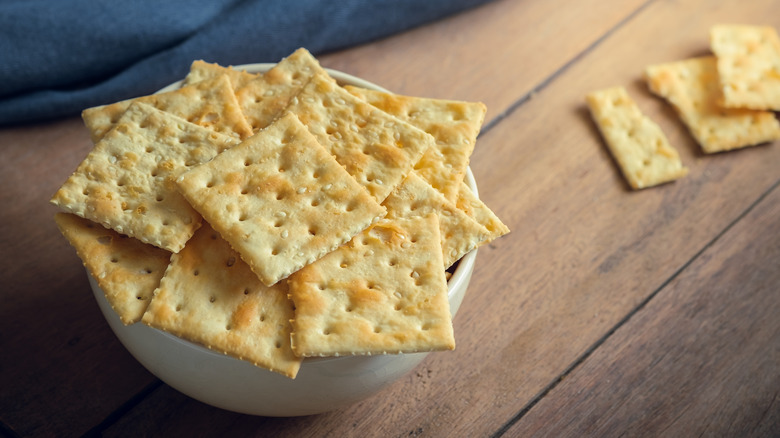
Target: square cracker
x,y
459,233
280,199
453,124
126,269
201,70
379,150
127,181
748,65
263,99
209,296
638,145
692,88
211,103
383,292
470,204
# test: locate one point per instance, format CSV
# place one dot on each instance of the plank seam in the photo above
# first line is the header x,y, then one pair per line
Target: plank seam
x,y
123,409
585,355
547,81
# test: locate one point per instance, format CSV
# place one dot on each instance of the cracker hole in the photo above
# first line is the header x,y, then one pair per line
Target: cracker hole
x,y
313,231
278,223
397,307
148,270
275,251
321,286
348,309
149,149
315,202
247,163
228,327
246,291
279,196
326,332
377,330
85,192
138,297
210,184
159,198
243,217
212,299
244,191
213,236
196,272
392,262
344,265
178,307
114,260
230,261
278,344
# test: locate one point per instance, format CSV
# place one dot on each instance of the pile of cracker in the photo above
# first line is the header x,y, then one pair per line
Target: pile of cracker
x,y
725,99
279,216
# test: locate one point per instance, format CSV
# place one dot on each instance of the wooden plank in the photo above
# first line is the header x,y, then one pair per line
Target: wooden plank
x,y
62,370
495,54
701,359
585,251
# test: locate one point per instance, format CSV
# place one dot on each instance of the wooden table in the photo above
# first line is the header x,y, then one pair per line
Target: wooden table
x,y
605,312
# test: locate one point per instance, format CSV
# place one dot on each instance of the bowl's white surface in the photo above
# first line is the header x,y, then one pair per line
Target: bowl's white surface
x,y
322,384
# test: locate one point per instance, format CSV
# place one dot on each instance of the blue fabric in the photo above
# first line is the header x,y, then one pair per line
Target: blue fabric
x,y
58,57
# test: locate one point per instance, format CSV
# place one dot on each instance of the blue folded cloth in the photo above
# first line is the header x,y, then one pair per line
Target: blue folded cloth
x,y
58,57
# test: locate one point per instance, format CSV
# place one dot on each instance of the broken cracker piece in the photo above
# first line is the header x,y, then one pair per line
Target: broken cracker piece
x,y
748,65
692,88
638,145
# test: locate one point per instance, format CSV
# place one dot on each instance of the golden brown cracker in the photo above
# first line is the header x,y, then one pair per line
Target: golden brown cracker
x,y
209,296
126,182
637,143
748,65
383,292
126,269
211,103
692,88
453,124
280,199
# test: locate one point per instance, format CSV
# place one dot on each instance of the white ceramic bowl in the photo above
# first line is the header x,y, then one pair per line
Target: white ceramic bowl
x,y
322,384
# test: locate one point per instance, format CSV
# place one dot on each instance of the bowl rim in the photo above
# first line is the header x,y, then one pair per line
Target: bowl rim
x,y
464,266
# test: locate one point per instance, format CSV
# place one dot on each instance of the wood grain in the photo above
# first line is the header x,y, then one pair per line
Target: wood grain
x,y
495,54
701,359
585,253
62,370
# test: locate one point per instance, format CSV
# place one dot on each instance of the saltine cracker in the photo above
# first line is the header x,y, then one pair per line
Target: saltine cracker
x,y
280,199
692,87
126,182
209,296
637,143
383,292
126,269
